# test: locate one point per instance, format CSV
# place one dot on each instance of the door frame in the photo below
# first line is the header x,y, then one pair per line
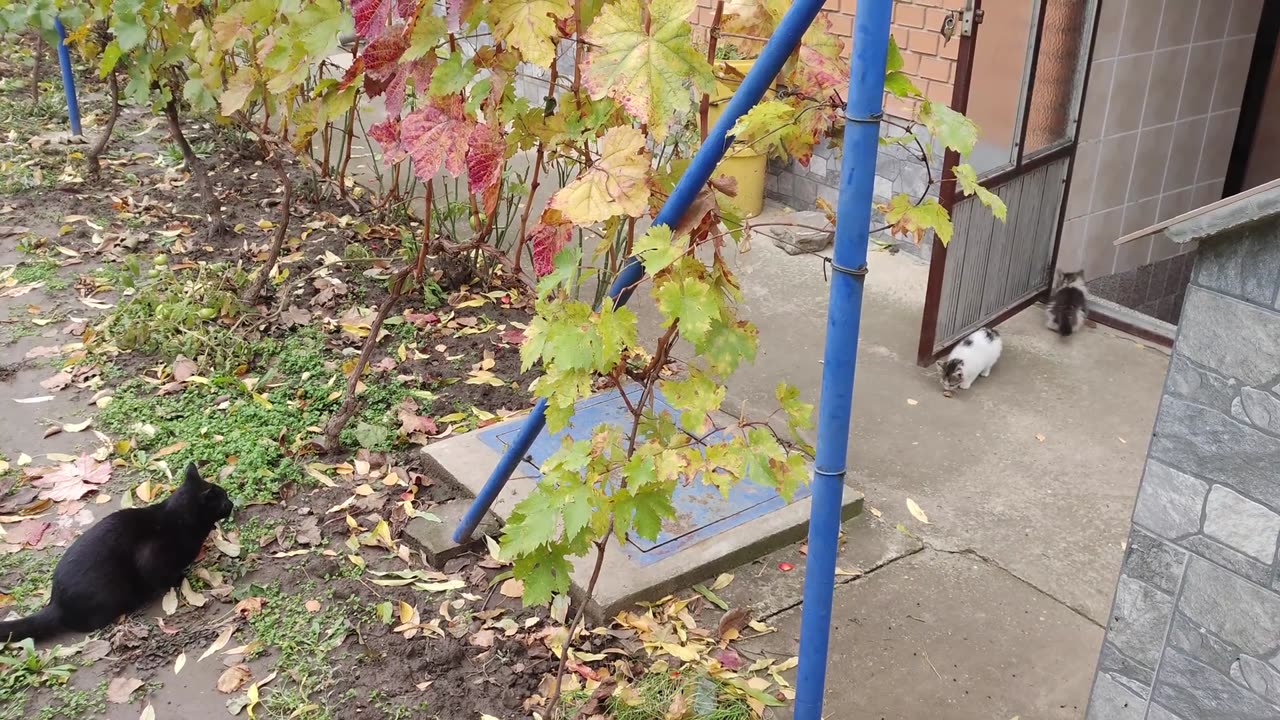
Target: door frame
x,y
1265,44
947,196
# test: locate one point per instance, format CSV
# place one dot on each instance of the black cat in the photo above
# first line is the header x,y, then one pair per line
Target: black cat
x,y
125,561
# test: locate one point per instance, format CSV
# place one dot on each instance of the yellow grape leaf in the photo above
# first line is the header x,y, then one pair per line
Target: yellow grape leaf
x,y
529,26
615,185
916,512
648,72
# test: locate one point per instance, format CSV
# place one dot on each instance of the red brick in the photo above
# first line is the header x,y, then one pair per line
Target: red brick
x,y
912,16
933,18
951,50
842,24
938,92
923,41
934,68
898,107
910,63
900,36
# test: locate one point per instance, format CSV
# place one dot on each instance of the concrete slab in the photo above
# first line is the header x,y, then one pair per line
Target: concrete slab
x,y
938,635
436,536
710,533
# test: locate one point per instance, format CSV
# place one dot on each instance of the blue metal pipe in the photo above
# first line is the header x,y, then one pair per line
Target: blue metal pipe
x,y
784,41
840,357
68,77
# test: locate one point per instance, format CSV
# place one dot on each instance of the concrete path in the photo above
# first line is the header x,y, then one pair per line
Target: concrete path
x,y
1028,481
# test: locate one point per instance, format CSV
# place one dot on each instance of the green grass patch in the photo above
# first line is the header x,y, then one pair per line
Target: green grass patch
x,y
302,641
29,573
652,696
255,431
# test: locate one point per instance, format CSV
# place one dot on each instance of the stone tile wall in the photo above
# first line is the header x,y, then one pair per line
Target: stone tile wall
x,y
1156,290
1194,632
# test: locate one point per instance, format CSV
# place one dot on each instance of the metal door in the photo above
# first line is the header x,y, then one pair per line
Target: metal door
x,y
1021,75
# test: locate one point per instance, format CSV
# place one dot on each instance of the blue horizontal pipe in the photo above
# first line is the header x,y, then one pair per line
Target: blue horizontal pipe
x,y
840,356
783,42
68,77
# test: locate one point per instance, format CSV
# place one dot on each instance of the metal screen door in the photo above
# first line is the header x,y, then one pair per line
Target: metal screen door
x,y
1021,75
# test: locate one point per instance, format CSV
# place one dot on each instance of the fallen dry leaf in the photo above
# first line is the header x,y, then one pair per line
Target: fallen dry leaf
x,y
312,606
233,678
1040,437
180,663
512,588
184,368
119,689
73,480
916,512
170,602
219,642
148,713
912,401
77,427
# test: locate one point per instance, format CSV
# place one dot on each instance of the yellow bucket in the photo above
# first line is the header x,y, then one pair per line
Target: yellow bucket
x,y
749,168
741,163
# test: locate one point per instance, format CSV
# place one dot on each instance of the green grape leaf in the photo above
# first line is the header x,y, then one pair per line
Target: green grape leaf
x,y
648,72
967,177
617,329
696,397
893,61
766,127
641,510
690,302
319,26
949,127
529,26
452,75
910,220
564,269
727,346
657,249
615,185
532,525
900,85
544,576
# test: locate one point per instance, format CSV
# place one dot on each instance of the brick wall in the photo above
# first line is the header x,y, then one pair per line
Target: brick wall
x,y
1194,630
930,63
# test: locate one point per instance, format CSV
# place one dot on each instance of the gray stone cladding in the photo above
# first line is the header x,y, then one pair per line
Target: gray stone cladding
x,y
1194,631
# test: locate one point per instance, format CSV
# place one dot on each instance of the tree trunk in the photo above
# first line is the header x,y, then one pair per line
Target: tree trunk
x,y
333,429
37,69
194,166
282,227
93,159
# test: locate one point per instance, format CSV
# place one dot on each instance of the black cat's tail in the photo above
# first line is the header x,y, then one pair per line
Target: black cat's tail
x,y
44,624
1062,313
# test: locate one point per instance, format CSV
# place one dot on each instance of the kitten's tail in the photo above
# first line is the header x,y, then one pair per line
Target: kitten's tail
x,y
42,625
1062,313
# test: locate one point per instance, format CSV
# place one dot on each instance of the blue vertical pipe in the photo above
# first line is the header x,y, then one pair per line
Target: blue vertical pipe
x,y
68,77
844,314
781,44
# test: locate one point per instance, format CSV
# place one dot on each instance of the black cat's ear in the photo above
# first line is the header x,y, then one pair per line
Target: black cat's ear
x,y
192,475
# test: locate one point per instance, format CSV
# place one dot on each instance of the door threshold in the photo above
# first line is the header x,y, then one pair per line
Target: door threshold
x,y
1124,319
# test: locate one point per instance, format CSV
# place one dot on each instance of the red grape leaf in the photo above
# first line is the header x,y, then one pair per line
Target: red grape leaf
x,y
438,136
373,17
484,158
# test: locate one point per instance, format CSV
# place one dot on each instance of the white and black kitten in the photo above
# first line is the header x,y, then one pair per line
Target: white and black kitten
x,y
973,357
127,560
1070,303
